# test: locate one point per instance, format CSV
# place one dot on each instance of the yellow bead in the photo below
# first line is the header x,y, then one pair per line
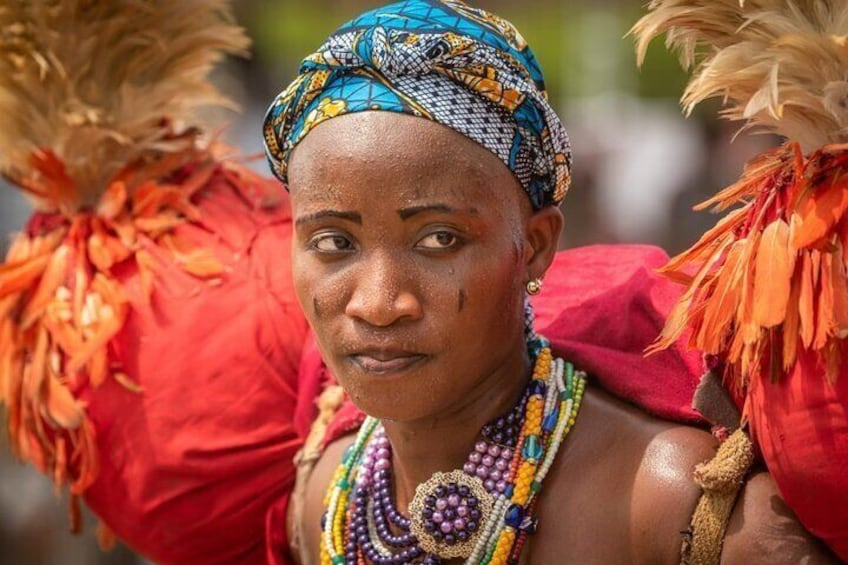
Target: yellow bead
x,y
505,542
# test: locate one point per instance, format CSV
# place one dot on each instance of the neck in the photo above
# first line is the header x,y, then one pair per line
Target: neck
x,y
443,442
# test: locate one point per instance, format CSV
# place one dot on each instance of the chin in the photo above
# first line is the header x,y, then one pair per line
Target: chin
x,y
406,399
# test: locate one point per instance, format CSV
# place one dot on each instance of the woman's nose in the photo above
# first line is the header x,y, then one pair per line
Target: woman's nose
x,y
384,293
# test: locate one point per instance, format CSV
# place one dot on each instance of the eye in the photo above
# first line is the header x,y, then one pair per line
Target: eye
x,y
332,243
439,240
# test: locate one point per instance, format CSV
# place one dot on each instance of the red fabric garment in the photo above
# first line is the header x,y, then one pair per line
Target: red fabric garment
x,y
801,427
600,307
190,467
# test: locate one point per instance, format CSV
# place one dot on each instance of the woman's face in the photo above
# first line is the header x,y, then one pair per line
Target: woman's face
x,y
410,259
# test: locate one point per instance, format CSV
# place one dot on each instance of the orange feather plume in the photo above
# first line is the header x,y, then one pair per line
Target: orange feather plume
x,y
770,279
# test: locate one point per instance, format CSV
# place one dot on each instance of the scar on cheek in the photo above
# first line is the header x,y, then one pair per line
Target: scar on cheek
x,y
461,299
315,309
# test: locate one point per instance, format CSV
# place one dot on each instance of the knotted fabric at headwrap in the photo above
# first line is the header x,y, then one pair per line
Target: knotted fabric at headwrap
x,y
441,60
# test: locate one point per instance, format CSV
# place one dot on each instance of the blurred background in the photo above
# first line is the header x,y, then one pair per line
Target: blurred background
x,y
639,169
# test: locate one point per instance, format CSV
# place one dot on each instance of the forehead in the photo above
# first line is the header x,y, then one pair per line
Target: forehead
x,y
399,155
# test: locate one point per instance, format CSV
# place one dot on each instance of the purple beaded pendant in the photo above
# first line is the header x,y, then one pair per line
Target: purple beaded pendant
x,y
448,512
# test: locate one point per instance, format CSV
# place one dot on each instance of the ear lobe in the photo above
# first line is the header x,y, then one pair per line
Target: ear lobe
x,y
543,230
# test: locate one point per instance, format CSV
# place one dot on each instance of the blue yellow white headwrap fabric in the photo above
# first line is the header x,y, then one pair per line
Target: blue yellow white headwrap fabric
x,y
441,60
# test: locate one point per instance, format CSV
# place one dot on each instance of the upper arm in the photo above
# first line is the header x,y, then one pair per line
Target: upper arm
x,y
763,529
291,532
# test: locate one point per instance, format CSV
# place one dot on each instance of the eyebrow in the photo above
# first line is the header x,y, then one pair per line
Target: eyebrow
x,y
350,216
406,213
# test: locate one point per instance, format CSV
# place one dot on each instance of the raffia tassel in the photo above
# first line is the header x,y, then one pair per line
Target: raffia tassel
x,y
770,279
721,480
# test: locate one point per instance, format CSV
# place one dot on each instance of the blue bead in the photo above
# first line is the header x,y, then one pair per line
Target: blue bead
x,y
532,449
508,491
537,387
550,421
514,516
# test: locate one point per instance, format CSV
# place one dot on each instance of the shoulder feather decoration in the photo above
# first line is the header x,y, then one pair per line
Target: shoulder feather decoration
x,y
99,102
769,280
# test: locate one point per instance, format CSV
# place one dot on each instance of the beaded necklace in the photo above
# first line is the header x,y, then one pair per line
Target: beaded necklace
x,y
482,512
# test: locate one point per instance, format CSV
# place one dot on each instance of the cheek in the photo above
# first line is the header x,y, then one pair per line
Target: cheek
x,y
496,280
483,295
320,291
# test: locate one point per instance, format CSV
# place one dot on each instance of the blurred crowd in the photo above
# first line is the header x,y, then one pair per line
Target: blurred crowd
x,y
640,166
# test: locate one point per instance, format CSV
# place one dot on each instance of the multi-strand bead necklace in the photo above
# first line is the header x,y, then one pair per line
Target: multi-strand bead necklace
x,y
482,512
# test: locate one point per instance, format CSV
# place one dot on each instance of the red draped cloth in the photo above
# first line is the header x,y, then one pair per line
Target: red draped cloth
x,y
190,467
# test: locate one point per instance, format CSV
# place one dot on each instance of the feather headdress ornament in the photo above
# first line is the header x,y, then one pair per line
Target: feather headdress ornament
x,y
767,294
99,100
769,279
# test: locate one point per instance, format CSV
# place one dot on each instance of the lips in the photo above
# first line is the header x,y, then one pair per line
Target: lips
x,y
386,361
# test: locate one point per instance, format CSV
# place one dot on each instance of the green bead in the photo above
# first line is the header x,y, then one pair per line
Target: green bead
x,y
338,560
535,487
344,484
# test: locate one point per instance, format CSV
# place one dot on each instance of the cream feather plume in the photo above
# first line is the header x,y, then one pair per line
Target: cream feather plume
x,y
778,65
99,84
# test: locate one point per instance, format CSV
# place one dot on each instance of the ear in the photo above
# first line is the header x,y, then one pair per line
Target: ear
x,y
542,240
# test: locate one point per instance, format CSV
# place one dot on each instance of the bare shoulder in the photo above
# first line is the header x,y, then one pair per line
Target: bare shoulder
x,y
633,477
665,493
763,529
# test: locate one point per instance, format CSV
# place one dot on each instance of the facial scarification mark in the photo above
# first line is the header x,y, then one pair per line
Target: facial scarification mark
x,y
461,299
315,308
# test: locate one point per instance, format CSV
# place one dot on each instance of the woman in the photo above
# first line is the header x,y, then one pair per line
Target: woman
x,y
425,168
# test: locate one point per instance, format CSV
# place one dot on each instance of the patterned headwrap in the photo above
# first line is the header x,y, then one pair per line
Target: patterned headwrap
x,y
442,60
